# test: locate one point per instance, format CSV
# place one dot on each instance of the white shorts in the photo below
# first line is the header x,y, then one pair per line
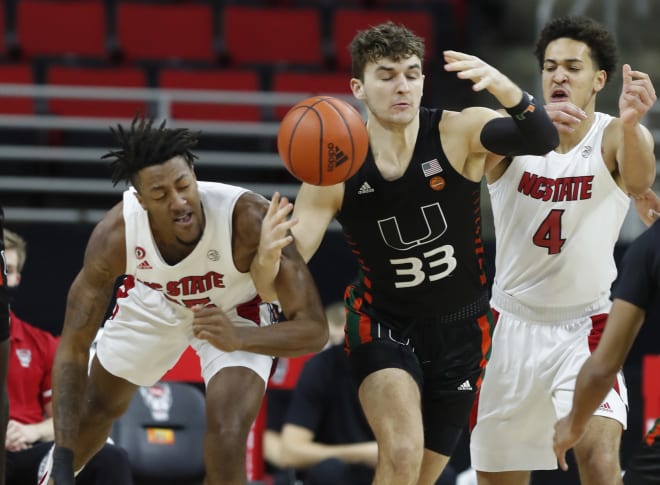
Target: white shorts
x,y
147,334
528,384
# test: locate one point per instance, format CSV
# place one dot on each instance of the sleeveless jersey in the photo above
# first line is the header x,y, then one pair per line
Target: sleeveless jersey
x,y
207,275
417,238
557,252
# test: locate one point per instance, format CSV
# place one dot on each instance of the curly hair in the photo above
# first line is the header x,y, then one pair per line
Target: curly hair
x,y
387,40
144,145
601,43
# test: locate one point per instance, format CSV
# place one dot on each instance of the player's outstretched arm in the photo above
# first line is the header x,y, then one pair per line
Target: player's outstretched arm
x,y
528,129
275,235
634,155
305,328
87,301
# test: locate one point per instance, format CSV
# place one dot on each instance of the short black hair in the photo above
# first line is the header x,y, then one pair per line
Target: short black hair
x,y
144,145
387,40
601,43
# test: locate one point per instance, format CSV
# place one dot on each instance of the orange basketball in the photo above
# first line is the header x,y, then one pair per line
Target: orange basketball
x,y
322,140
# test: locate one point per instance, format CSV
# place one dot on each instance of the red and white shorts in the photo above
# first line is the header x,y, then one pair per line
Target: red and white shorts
x,y
147,335
528,384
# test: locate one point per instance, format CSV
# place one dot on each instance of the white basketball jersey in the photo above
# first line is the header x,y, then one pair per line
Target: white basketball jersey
x,y
557,252
207,275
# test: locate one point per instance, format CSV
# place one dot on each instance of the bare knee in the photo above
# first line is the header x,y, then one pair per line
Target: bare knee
x,y
104,410
403,459
598,466
597,454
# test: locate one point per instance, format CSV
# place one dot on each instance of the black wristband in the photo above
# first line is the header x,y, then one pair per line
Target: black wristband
x,y
526,104
62,465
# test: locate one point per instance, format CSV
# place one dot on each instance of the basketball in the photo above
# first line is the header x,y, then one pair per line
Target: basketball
x,y
322,140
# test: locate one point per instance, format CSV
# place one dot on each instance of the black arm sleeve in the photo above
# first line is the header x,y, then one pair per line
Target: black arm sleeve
x,y
529,131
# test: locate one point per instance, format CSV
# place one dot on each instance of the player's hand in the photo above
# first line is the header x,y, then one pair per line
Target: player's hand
x,y
20,436
275,234
565,438
211,324
565,116
647,206
637,96
484,76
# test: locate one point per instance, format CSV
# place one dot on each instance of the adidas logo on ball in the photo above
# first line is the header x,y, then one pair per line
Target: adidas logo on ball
x,y
335,157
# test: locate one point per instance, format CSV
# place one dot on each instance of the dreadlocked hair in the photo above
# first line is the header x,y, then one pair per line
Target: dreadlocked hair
x,y
143,146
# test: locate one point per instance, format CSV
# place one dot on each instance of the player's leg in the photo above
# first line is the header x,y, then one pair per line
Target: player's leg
x,y
453,353
391,402
515,411
235,386
233,398
597,453
107,397
503,478
432,466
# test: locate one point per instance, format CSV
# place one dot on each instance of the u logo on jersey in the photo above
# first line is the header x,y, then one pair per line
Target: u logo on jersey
x,y
436,225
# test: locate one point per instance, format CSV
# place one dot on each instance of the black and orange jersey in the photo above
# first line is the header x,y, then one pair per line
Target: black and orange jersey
x,y
417,238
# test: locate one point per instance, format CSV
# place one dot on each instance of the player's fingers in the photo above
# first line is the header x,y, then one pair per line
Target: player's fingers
x,y
626,73
274,204
284,210
455,55
481,85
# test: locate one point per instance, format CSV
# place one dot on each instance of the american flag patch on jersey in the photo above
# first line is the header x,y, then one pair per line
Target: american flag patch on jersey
x,y
431,167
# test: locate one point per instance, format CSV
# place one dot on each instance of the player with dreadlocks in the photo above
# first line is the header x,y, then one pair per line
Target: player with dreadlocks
x,y
190,252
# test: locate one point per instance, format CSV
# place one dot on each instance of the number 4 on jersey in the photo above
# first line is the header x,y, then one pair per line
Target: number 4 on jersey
x,y
548,235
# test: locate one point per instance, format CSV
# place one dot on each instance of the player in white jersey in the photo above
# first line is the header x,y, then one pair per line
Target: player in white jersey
x,y
190,252
557,219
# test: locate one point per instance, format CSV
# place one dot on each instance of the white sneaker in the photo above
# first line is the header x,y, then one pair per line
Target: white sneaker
x,y
45,467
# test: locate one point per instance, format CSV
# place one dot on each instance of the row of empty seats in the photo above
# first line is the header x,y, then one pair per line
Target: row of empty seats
x,y
168,78
232,35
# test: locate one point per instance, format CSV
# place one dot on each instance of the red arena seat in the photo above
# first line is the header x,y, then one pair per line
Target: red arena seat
x,y
312,83
272,36
16,74
231,80
165,31
60,28
131,77
347,22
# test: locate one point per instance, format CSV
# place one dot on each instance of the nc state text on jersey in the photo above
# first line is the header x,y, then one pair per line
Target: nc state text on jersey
x,y
556,190
191,285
